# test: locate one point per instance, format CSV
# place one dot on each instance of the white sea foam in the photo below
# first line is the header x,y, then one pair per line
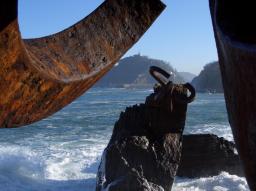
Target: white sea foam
x,y
221,130
78,163
99,102
222,182
21,161
23,169
62,153
201,102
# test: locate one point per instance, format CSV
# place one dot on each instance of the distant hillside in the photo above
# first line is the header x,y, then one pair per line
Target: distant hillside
x,y
133,72
209,79
187,76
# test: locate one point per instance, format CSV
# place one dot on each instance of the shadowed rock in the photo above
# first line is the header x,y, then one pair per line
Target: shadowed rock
x,y
207,155
145,148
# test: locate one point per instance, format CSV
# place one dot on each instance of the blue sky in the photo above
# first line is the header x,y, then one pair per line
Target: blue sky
x,y
182,35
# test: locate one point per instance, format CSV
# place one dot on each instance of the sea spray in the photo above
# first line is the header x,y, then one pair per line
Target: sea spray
x,y
39,147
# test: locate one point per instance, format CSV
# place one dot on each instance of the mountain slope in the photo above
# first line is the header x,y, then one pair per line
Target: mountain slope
x,y
209,79
187,76
133,72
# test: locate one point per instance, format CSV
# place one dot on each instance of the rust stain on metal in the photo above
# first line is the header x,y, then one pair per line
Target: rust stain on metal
x,y
40,76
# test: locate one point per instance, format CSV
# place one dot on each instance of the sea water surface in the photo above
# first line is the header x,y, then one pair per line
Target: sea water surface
x,y
62,152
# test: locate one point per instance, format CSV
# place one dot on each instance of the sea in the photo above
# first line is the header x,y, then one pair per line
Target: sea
x,y
62,152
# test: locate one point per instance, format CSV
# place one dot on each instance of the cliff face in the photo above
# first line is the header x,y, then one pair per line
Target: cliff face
x,y
133,72
209,79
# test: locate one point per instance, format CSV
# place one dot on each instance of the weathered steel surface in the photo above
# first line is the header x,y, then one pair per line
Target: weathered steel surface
x,y
167,89
235,36
40,76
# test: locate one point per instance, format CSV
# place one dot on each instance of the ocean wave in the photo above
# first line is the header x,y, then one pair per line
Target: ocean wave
x,y
221,130
75,170
207,102
222,182
62,152
18,163
56,167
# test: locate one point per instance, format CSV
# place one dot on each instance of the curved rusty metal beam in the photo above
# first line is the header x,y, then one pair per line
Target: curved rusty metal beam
x,y
235,34
40,76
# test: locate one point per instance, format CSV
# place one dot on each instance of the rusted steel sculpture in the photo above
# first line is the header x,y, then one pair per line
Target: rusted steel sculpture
x,y
235,36
40,76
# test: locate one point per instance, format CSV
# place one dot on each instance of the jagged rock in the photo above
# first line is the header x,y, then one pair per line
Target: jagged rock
x,y
144,151
207,155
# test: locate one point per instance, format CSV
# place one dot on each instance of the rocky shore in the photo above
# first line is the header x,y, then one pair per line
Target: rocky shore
x,y
208,155
145,148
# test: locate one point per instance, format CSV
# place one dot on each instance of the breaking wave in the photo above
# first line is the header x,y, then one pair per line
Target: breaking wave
x,y
63,152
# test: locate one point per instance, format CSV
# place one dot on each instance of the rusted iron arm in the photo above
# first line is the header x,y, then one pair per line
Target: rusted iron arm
x,y
40,76
161,76
235,34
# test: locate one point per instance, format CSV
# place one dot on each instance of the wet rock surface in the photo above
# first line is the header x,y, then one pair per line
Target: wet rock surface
x,y
145,148
207,155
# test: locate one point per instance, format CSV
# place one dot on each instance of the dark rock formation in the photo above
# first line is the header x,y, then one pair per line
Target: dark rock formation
x,y
144,151
208,155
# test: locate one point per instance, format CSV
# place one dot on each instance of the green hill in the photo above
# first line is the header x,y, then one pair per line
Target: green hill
x,y
133,72
209,79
